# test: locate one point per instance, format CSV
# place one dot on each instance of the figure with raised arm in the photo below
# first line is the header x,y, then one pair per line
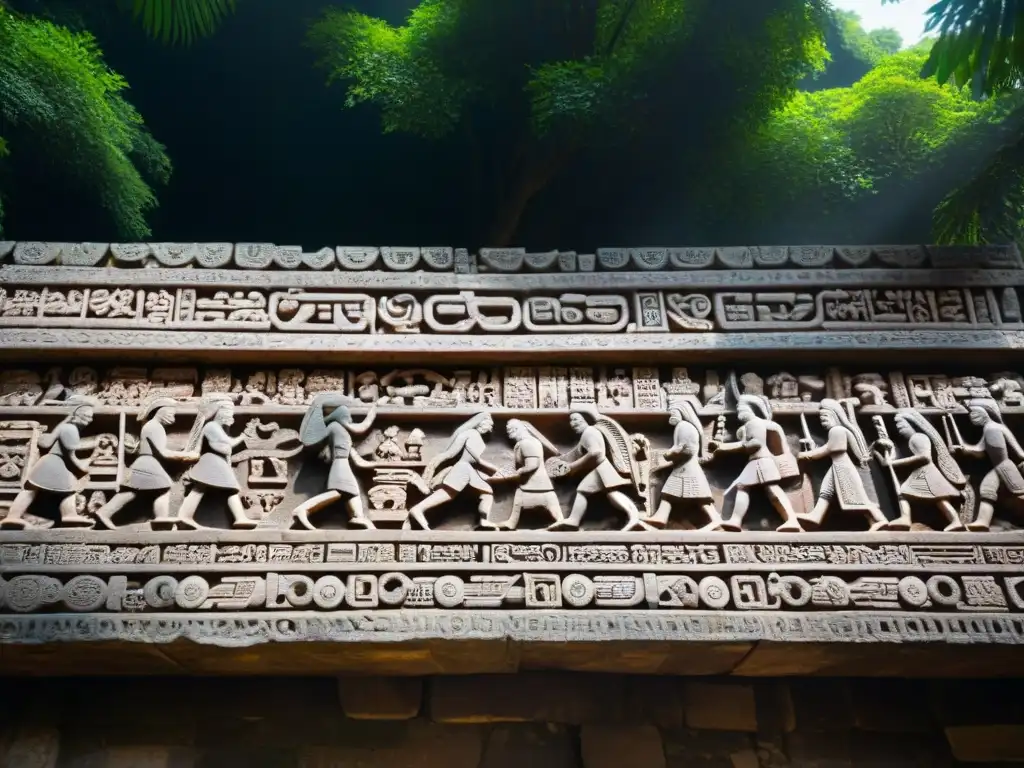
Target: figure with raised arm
x,y
769,462
466,449
847,448
337,430
59,471
147,476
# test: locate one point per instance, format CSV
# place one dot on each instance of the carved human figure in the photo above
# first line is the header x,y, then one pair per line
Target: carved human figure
x,y
59,471
337,430
534,488
842,485
466,449
603,454
769,462
935,478
687,482
147,475
213,471
999,445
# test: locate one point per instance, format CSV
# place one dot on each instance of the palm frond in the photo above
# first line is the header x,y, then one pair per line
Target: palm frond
x,y
180,21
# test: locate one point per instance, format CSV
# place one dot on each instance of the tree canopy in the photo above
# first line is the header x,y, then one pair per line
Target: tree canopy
x,y
532,83
62,105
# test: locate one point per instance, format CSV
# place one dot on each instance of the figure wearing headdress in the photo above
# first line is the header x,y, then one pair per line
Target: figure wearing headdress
x,y
466,450
842,485
687,481
534,489
337,429
213,471
935,477
147,475
59,471
997,444
604,454
769,462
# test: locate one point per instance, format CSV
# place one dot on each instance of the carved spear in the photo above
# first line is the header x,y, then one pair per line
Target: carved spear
x,y
883,434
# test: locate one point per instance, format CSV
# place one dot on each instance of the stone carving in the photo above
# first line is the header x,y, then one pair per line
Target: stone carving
x,y
607,455
687,481
147,475
769,462
999,445
534,489
213,470
59,471
336,430
847,449
465,449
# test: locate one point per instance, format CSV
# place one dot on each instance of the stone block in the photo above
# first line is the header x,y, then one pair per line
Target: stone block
x,y
32,747
616,746
687,748
819,749
721,707
986,743
568,698
890,706
657,700
821,705
900,750
417,744
774,709
380,698
529,746
973,702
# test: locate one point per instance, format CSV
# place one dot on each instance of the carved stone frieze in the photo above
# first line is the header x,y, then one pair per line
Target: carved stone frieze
x,y
508,260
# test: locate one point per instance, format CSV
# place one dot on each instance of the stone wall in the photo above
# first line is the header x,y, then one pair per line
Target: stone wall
x,y
535,720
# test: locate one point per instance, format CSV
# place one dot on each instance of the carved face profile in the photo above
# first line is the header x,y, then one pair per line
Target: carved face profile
x,y
744,412
515,430
978,416
166,415
225,415
485,425
577,422
828,419
904,427
675,416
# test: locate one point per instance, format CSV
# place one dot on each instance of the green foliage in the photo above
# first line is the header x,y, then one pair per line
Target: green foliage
x,y
62,103
835,147
179,21
886,40
869,47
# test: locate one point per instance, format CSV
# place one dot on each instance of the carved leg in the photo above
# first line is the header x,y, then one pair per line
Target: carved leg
x,y
739,511
633,522
660,518
484,505
904,521
357,516
240,519
715,520
816,515
552,505
878,520
315,504
779,500
986,510
162,505
20,506
436,499
955,523
69,513
572,522
486,524
186,512
106,513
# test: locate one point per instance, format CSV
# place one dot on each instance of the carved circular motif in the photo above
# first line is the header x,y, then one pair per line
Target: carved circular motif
x,y
328,592
191,592
448,591
944,590
714,592
84,593
159,591
25,593
913,591
577,590
393,588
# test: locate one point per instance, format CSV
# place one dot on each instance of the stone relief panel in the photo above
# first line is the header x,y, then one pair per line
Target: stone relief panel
x,y
476,312
510,449
264,256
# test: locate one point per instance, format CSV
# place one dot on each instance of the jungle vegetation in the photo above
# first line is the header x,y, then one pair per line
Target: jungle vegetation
x,y
780,119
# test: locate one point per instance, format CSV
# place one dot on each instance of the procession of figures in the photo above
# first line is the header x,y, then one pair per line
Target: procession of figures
x,y
416,482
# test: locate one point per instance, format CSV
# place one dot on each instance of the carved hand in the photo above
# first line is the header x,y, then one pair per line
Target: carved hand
x,y
557,468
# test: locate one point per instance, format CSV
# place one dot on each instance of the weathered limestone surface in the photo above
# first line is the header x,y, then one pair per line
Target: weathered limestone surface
x,y
752,461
